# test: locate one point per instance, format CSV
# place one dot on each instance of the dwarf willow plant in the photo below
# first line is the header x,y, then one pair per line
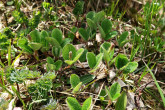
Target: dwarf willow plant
x,y
84,33
41,41
23,44
108,52
92,19
70,54
56,39
94,61
114,91
56,51
114,94
123,64
75,83
121,102
105,29
73,104
51,65
122,39
37,42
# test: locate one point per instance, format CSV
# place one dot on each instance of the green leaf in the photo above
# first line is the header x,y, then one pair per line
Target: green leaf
x,y
27,49
35,46
76,89
99,16
110,35
98,60
23,44
56,51
87,78
69,51
106,25
69,62
122,38
35,35
58,64
91,24
115,91
106,46
83,56
73,104
10,2
90,15
57,34
50,67
78,54
83,33
53,41
87,104
121,102
91,59
44,49
78,8
74,80
111,53
50,60
131,67
106,56
133,52
65,41
43,35
102,32
105,49
121,61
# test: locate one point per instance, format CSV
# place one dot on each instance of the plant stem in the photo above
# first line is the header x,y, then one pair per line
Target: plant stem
x,y
89,84
17,87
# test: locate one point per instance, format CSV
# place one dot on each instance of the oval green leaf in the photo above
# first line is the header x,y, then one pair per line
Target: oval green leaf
x,y
121,102
110,35
73,104
122,38
87,104
35,46
58,64
74,80
69,51
35,36
57,34
87,78
131,67
91,59
121,61
76,89
91,24
115,91
106,25
83,33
